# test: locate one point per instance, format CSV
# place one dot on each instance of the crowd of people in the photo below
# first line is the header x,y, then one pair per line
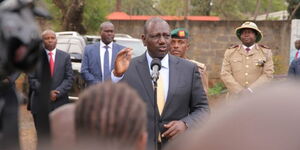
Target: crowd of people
x,y
121,109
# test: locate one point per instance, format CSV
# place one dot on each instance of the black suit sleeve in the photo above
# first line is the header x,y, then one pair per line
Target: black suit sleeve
x,y
66,85
198,102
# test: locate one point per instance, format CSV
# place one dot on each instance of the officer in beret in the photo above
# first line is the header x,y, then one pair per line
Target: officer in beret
x,y
248,65
179,45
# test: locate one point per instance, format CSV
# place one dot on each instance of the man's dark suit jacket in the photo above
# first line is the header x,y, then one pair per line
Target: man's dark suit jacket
x,y
186,99
62,80
91,65
294,69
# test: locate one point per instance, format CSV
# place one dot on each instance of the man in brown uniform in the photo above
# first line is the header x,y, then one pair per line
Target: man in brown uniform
x,y
248,65
179,45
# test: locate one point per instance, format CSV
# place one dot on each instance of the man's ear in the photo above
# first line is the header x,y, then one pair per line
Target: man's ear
x,y
142,141
143,37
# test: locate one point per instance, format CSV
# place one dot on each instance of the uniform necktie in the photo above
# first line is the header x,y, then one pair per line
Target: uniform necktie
x,y
247,49
106,69
160,94
51,63
297,53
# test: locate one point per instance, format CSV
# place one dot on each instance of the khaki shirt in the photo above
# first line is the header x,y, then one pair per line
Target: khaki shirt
x,y
203,74
242,69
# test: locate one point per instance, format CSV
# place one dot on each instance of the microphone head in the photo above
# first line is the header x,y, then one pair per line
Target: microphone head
x,y
156,62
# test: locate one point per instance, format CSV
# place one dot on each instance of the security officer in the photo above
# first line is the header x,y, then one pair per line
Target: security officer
x,y
248,65
179,45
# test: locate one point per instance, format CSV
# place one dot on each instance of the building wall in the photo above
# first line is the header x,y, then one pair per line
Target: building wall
x,y
209,40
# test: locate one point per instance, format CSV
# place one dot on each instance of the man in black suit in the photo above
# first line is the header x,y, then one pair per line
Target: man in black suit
x,y
61,74
185,102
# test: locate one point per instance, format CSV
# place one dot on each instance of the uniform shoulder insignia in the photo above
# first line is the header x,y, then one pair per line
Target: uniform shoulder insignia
x,y
264,46
234,46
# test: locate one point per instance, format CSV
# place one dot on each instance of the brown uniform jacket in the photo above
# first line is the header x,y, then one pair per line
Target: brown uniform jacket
x,y
242,69
203,74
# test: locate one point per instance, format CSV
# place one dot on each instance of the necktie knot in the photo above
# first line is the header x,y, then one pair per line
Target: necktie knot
x,y
50,53
247,49
106,47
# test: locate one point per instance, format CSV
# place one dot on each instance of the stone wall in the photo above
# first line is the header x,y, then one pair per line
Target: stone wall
x,y
210,39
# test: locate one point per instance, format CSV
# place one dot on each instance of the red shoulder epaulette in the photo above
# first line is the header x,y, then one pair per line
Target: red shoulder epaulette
x,y
234,46
264,46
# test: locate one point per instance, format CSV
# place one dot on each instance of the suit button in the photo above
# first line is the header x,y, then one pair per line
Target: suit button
x,y
246,74
247,66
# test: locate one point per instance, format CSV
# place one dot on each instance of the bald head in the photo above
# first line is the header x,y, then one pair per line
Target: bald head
x,y
49,39
107,32
153,21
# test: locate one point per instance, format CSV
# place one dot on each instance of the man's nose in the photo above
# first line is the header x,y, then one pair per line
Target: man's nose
x,y
162,40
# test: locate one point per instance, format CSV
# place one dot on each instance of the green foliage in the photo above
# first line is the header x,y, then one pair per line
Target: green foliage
x,y
217,89
292,5
279,65
95,12
243,9
200,7
55,13
140,7
171,7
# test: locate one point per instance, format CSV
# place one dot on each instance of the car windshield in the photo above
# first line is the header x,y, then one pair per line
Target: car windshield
x,y
71,45
137,46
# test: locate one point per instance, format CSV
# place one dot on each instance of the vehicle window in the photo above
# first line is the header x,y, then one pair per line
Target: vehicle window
x,y
137,46
63,46
75,49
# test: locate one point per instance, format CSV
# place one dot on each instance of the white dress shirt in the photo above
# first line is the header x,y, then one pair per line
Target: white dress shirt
x,y
102,52
164,71
244,46
53,54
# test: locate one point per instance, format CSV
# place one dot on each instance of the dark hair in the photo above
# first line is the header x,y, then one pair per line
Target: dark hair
x,y
111,113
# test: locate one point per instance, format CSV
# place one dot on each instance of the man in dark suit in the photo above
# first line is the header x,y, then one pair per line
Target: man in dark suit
x,y
61,76
99,58
294,69
185,102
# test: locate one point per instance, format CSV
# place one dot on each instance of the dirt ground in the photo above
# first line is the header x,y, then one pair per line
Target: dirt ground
x,y
27,129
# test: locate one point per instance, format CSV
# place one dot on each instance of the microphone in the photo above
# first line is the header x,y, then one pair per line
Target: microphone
x,y
155,67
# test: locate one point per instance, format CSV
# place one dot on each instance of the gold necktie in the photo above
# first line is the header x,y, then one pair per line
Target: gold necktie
x,y
160,94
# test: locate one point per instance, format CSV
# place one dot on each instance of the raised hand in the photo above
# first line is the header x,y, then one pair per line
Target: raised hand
x,y
122,62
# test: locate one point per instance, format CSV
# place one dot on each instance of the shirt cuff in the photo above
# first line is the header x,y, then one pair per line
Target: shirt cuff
x,y
114,78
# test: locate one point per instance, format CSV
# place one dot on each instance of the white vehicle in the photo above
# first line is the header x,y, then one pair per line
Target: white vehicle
x,y
74,44
122,39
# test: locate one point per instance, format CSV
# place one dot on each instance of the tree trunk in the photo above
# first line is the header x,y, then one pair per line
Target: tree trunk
x,y
256,9
72,14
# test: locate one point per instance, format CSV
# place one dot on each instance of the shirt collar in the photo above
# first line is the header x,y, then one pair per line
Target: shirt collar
x,y
53,51
164,61
244,46
103,44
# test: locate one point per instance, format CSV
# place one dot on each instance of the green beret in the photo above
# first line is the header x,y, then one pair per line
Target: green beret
x,y
180,33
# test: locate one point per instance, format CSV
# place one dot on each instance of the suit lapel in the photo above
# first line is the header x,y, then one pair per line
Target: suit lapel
x,y
97,55
173,80
144,73
57,62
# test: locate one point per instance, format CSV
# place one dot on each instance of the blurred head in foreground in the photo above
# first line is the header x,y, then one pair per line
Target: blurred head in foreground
x,y
269,120
111,116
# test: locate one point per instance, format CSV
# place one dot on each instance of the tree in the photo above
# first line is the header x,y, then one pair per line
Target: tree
x,y
201,7
72,16
87,20
293,4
